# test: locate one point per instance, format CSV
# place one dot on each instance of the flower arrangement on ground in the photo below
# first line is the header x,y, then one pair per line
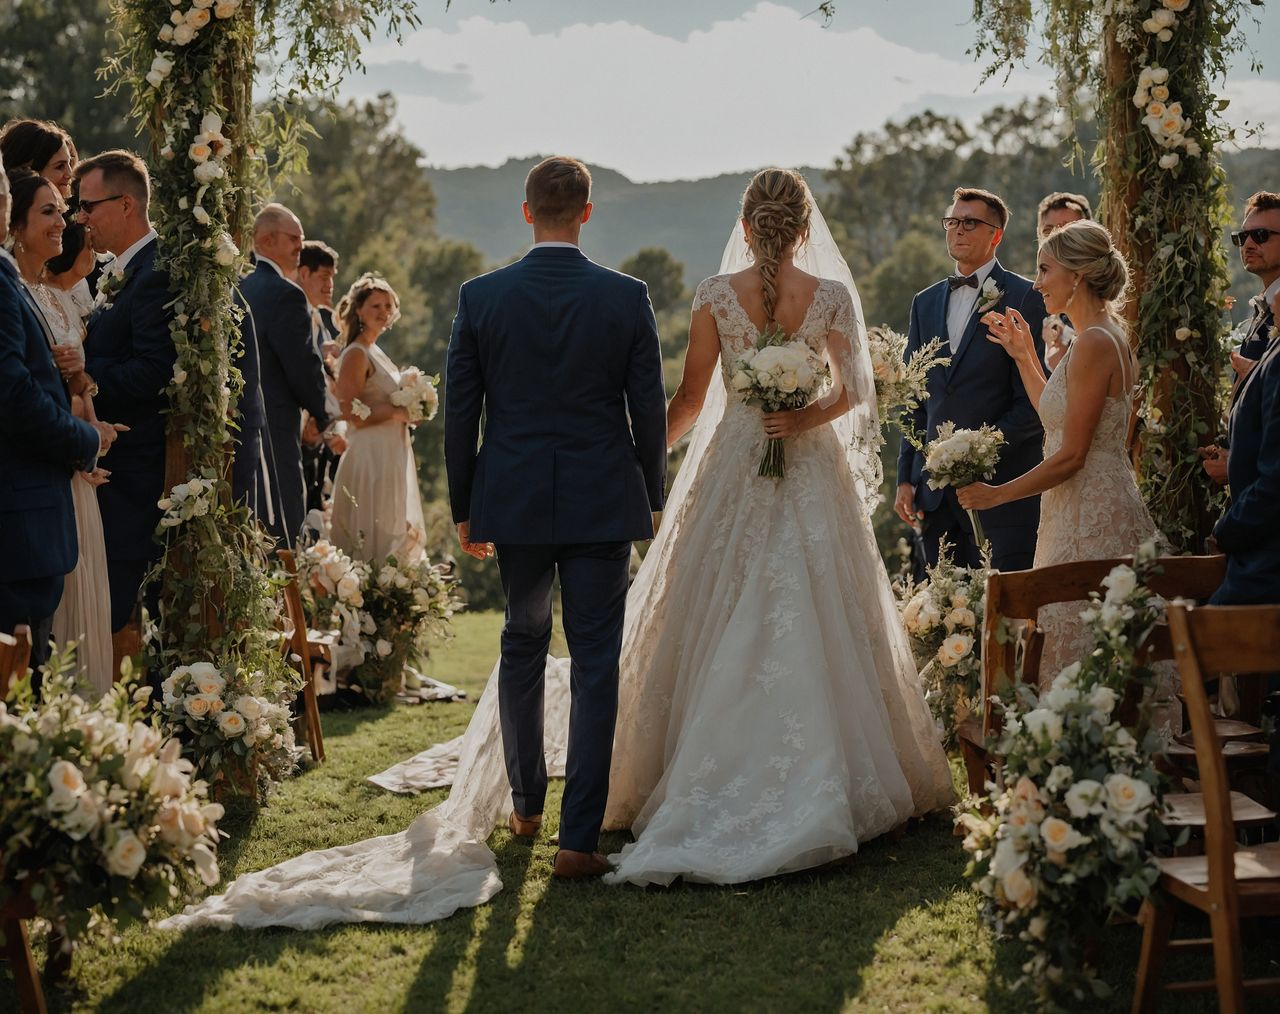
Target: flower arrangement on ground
x,y
779,374
101,818
1066,838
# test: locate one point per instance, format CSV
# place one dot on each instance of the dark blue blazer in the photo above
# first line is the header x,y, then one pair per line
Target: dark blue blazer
x,y
562,358
129,353
41,445
251,413
980,386
1249,532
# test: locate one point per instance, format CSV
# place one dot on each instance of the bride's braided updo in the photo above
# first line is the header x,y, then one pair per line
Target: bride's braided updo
x,y
776,209
1086,248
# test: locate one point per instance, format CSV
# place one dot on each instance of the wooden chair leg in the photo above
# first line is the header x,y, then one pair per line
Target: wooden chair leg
x,y
17,946
125,643
1228,966
315,735
975,766
1156,919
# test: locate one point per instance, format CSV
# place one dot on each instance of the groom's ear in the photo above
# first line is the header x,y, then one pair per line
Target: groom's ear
x,y
586,212
528,215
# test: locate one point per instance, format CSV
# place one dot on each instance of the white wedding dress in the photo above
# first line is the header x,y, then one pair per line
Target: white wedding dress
x,y
770,716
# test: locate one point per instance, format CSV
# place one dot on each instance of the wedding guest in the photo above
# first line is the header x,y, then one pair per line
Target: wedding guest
x,y
41,445
1056,210
377,509
130,354
53,258
290,371
1259,243
44,148
981,385
1248,532
317,267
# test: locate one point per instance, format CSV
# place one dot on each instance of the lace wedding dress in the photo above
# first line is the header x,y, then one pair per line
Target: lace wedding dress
x,y
770,718
1097,514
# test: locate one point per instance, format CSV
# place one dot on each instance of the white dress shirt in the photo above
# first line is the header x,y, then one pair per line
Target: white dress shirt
x,y
122,262
555,242
961,303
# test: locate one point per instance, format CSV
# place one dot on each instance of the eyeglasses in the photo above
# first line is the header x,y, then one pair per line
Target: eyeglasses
x,y
86,207
1259,236
965,224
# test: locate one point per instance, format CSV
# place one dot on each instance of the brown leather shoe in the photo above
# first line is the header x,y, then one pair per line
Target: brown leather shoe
x,y
570,865
524,827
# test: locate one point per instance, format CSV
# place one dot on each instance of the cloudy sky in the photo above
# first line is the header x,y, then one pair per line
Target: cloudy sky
x,y
679,89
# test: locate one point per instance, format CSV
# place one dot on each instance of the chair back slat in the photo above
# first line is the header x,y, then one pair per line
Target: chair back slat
x,y
15,657
1209,641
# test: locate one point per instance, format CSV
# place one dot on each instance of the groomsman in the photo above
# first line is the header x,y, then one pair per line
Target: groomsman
x,y
41,446
317,267
981,385
1259,243
290,371
129,353
1056,210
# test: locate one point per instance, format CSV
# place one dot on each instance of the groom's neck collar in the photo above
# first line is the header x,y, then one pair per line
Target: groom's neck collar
x,y
554,244
983,272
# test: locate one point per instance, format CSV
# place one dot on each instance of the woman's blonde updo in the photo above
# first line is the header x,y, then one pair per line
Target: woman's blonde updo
x,y
776,209
348,312
1085,248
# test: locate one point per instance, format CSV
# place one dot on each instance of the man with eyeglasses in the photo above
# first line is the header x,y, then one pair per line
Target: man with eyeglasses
x,y
130,355
981,385
1259,243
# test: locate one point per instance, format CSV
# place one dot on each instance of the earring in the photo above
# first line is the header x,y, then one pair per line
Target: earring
x,y
1073,290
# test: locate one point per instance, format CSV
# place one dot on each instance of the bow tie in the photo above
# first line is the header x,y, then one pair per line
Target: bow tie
x,y
960,281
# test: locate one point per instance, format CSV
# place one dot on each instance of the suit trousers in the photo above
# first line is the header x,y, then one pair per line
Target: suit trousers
x,y
32,603
593,590
1012,547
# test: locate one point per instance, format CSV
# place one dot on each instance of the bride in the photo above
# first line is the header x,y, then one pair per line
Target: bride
x,y
770,717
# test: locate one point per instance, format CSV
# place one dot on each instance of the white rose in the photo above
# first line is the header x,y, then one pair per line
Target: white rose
x,y
1018,889
1038,927
1007,858
155,79
201,4
960,600
1103,699
741,381
1043,724
211,124
249,706
225,8
1159,75
197,706
169,780
126,856
83,819
1058,698
383,647
954,648
1058,835
207,172
169,820
1182,334
226,251
210,686
1120,583
1059,777
1193,149
166,34
960,617
1127,795
177,18
67,783
231,724
183,33
198,17
206,863
179,375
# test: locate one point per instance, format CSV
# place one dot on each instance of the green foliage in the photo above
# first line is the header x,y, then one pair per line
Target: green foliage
x,y
917,260
662,273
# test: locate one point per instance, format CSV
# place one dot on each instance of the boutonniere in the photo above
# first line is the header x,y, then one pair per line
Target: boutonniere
x,y
112,281
990,296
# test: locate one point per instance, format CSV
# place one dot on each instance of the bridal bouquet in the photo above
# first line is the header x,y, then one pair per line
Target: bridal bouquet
x,y
960,457
98,810
779,374
234,722
417,394
943,620
901,383
1067,837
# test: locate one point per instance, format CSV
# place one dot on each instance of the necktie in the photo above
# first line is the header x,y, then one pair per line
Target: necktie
x,y
960,281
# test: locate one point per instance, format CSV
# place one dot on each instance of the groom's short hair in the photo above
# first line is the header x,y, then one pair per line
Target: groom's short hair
x,y
992,201
121,170
557,189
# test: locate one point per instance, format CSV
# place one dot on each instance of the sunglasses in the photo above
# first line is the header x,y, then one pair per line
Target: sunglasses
x,y
1259,236
86,207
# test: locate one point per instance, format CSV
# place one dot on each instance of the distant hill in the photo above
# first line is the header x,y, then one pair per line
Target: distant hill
x,y
690,218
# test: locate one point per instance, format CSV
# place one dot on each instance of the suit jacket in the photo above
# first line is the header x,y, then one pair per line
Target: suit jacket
x,y
980,386
1258,334
41,445
1249,532
562,358
129,353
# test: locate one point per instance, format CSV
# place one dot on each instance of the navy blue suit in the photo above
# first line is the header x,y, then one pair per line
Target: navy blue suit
x,y
250,418
291,377
129,353
562,358
41,446
1249,533
980,386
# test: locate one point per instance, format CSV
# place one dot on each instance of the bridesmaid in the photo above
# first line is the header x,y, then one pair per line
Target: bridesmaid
x,y
377,509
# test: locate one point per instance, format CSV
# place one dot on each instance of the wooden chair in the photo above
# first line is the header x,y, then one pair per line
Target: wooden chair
x,y
15,656
1227,883
305,654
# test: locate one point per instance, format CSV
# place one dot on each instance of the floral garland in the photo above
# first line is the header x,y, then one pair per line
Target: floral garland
x,y
1165,194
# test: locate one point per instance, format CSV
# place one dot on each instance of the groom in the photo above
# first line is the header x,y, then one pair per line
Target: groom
x,y
561,357
980,386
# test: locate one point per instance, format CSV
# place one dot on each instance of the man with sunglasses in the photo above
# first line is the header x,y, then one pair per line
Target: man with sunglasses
x,y
981,385
1259,244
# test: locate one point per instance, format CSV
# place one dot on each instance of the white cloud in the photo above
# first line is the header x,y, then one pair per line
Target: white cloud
x,y
766,87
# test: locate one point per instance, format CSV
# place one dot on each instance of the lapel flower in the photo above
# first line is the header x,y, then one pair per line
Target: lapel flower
x,y
112,281
990,296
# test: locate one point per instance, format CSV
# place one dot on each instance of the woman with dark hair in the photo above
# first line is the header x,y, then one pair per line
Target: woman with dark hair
x,y
44,148
53,259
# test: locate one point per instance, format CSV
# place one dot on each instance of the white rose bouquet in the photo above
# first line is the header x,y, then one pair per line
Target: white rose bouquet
x,y
417,395
901,382
333,591
195,498
233,722
960,457
1067,837
99,812
779,374
943,620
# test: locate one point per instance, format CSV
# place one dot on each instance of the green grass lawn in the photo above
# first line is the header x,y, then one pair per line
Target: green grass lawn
x,y
897,930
